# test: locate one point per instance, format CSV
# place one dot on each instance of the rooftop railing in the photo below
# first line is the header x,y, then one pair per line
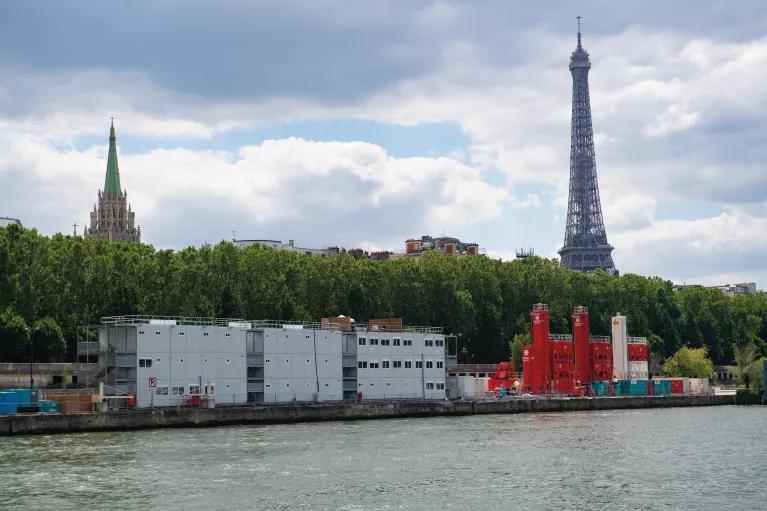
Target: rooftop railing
x,y
173,320
599,338
258,324
561,337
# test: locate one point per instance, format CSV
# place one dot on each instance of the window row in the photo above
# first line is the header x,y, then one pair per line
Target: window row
x,y
374,341
430,385
205,334
180,390
397,364
147,362
433,342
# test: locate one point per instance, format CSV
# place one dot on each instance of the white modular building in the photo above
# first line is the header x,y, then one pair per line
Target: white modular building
x,y
294,362
167,362
177,361
403,364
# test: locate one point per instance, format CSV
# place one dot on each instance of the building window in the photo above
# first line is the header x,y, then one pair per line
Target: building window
x,y
385,364
161,390
228,334
429,364
418,364
157,332
141,332
407,342
440,386
373,342
373,365
428,343
181,333
145,362
362,364
181,360
429,385
362,341
228,360
194,388
267,361
327,385
205,360
388,384
211,389
396,341
439,342
397,364
385,342
440,364
408,364
268,386
178,391
205,334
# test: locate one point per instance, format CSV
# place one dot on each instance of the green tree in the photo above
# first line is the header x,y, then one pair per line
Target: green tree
x,y
689,362
13,337
744,355
516,347
48,340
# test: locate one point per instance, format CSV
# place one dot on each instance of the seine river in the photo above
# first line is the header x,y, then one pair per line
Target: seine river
x,y
685,458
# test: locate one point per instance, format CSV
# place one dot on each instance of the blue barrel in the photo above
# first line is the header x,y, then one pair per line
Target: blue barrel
x,y
8,403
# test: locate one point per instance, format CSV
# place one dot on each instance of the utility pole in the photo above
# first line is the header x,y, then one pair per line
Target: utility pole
x,y
74,225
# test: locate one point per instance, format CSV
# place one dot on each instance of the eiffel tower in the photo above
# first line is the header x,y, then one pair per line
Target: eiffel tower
x,y
586,247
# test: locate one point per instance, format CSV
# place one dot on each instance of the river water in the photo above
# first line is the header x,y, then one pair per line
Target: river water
x,y
683,458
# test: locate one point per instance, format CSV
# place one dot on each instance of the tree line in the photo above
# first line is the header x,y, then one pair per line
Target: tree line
x,y
64,283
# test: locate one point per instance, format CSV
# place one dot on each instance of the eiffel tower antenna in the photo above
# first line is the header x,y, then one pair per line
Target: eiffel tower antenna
x,y
585,247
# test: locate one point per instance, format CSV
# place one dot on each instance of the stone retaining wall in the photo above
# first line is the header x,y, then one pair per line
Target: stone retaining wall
x,y
277,414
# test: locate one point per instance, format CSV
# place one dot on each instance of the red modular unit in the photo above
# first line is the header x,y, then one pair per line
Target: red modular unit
x,y
637,352
677,386
563,385
529,367
504,376
561,351
602,371
580,325
541,367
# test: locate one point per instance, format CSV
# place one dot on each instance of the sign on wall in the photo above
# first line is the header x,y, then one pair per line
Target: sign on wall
x,y
152,382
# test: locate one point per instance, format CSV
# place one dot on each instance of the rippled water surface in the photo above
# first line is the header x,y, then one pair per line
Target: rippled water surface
x,y
684,458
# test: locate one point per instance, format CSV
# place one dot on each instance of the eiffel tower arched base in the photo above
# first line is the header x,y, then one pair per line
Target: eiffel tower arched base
x,y
588,259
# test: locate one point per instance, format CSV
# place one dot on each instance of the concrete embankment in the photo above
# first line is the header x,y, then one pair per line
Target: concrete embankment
x,y
277,414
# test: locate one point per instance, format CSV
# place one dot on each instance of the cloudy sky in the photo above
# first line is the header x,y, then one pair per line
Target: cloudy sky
x,y
365,123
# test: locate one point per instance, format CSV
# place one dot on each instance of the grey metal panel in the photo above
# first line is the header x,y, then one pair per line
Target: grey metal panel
x,y
255,341
255,360
255,386
125,360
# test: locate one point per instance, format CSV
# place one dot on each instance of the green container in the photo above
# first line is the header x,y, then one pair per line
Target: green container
x,y
600,388
661,387
621,387
637,388
49,406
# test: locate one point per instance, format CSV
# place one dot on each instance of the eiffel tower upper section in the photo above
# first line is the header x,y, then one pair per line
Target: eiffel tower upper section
x,y
586,247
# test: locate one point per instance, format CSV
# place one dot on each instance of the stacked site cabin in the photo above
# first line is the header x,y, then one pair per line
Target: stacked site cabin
x,y
165,361
175,361
399,362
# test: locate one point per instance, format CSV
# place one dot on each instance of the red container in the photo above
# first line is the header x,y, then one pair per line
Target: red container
x,y
677,386
564,385
580,327
538,370
637,352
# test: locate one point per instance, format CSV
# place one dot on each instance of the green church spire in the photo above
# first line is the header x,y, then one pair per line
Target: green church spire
x,y
112,183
